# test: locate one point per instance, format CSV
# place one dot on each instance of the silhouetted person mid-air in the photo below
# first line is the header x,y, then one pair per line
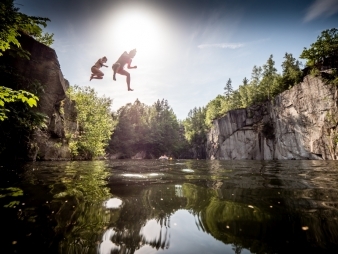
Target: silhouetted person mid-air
x,y
118,67
96,73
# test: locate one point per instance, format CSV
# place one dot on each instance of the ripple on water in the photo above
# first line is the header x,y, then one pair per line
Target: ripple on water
x,y
187,170
142,175
134,175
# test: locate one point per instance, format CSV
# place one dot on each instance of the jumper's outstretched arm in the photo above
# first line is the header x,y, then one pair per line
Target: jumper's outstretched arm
x,y
131,67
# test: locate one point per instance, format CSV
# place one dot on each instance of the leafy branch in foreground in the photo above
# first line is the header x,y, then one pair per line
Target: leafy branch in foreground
x,y
13,22
8,95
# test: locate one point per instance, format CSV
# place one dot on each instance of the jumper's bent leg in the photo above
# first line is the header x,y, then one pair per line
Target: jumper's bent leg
x,y
96,73
116,68
127,74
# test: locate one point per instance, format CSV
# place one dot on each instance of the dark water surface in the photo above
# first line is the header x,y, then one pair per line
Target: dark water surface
x,y
178,206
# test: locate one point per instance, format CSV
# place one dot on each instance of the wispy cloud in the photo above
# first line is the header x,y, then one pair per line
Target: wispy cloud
x,y
321,8
222,45
231,45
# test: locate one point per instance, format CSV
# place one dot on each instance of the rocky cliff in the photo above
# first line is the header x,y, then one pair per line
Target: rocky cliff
x,y
300,123
44,68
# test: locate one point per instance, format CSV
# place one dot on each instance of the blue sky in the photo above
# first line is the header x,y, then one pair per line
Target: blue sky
x,y
187,49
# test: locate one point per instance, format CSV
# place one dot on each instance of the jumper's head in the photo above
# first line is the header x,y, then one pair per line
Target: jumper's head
x,y
104,59
132,53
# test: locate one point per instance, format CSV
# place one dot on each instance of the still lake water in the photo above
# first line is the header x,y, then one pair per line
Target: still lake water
x,y
178,206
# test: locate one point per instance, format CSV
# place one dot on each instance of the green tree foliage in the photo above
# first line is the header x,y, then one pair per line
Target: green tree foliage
x,y
8,95
132,130
265,83
95,123
45,38
18,114
232,98
244,93
195,128
235,100
292,73
17,130
254,91
16,104
268,83
165,128
154,129
12,22
326,46
228,89
215,108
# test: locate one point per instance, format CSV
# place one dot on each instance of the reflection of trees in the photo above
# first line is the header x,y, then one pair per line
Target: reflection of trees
x,y
252,218
220,206
226,220
256,210
61,210
159,202
78,206
141,205
164,238
265,226
237,249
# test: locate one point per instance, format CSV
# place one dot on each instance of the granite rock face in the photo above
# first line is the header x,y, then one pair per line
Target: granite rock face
x,y
195,152
300,123
43,66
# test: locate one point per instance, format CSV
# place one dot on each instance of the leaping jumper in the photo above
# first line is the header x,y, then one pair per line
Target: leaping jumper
x,y
118,67
96,73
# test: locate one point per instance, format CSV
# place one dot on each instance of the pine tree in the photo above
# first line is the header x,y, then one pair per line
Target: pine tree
x,y
269,75
244,93
228,89
292,73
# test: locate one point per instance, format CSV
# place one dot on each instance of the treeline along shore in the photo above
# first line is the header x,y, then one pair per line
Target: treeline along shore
x,y
288,115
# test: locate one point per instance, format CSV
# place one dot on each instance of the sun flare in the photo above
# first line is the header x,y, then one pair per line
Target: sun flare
x,y
136,30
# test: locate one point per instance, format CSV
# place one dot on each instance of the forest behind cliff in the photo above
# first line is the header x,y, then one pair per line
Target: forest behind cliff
x,y
135,130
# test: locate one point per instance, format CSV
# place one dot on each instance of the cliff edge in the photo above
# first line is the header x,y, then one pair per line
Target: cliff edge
x,y
300,123
43,69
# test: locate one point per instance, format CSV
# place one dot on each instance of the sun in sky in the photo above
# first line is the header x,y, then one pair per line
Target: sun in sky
x,y
136,29
186,50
